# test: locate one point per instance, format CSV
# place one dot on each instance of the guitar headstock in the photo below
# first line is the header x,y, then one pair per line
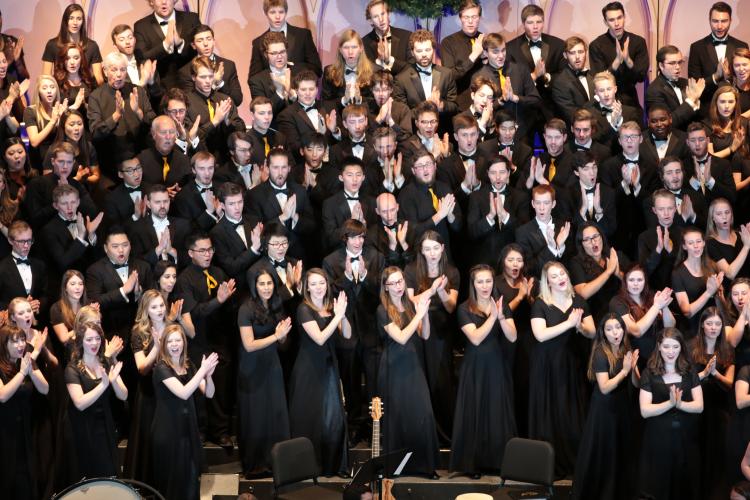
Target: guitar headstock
x,y
376,408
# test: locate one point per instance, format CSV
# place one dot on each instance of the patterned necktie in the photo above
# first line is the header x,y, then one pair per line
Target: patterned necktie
x,y
552,168
435,202
165,168
210,109
211,282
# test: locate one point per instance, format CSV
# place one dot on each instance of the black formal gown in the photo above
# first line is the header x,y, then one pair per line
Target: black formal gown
x,y
694,286
408,422
438,351
584,269
670,452
718,251
139,454
484,419
316,408
261,399
18,474
556,387
176,444
646,343
606,434
738,434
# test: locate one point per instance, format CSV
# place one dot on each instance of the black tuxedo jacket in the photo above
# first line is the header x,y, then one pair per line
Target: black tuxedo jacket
x,y
103,286
214,138
599,151
119,207
331,94
454,53
231,253
274,138
451,170
261,85
489,240
658,266
415,203
188,204
700,206
401,115
402,56
521,154
343,149
523,87
300,50
152,163
37,202
571,197
407,88
602,52
12,286
702,63
144,241
62,251
294,124
721,171
564,175
660,91
604,133
534,244
552,54
610,173
378,239
336,211
568,93
231,85
675,147
149,39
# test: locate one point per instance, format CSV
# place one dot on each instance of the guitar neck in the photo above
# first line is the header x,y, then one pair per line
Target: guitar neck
x,y
375,439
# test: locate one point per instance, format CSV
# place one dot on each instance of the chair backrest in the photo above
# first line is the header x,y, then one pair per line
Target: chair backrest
x,y
293,461
529,461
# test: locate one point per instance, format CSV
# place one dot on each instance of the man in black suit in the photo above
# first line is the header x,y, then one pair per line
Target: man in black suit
x,y
240,168
573,87
141,71
658,245
174,104
225,71
662,139
197,200
588,200
24,276
356,141
708,175
164,162
427,120
495,211
390,235
349,203
280,198
555,165
425,81
384,111
263,136
542,55
119,114
286,270
126,203
582,130
609,112
161,36
543,238
481,109
622,53
691,205
386,174
318,177
236,238
506,145
386,46
709,56
462,52
462,170
160,236
301,50
680,95
275,82
205,291
217,113
428,203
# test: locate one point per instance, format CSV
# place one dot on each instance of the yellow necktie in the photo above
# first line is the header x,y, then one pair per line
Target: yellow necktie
x,y
435,202
210,109
165,168
502,81
552,168
211,282
266,146
473,42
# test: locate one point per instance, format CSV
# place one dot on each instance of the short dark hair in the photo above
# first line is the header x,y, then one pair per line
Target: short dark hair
x,y
279,151
351,228
382,78
238,135
201,29
352,160
721,7
173,94
696,126
314,139
667,50
195,237
156,188
666,161
274,228
114,230
305,75
120,28
531,10
582,158
612,6
228,189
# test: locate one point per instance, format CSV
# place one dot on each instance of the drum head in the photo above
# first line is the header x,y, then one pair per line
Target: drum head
x,y
100,489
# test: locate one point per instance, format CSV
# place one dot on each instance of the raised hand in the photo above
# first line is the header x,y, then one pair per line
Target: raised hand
x,y
225,290
613,262
93,225
331,123
113,347
175,310
422,306
575,317
114,371
563,234
282,329
659,239
339,305
102,374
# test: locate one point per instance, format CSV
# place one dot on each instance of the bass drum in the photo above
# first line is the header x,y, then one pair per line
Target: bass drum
x,y
99,489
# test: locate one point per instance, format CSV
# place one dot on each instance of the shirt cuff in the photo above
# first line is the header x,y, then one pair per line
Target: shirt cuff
x,y
506,218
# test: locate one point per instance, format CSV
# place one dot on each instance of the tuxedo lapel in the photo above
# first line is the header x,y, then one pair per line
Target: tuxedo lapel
x,y
306,118
157,28
417,83
526,52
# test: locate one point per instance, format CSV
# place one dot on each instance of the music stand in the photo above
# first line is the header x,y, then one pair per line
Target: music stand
x,y
377,468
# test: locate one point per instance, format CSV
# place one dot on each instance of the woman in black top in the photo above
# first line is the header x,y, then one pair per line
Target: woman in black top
x,y
73,29
726,246
62,314
17,166
670,398
739,320
42,118
72,129
73,76
728,126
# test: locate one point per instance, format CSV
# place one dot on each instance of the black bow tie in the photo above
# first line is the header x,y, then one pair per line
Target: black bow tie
x,y
361,143
716,42
235,225
392,227
70,222
132,190
675,84
581,72
350,71
677,194
386,38
307,108
283,191
581,148
315,170
477,115
279,263
605,110
163,23
119,266
21,260
702,162
537,44
351,198
591,190
424,71
468,157
202,190
630,162
503,146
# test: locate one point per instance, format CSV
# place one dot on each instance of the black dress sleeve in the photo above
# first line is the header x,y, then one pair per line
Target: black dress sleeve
x,y
245,315
72,375
744,374
646,381
162,372
580,303
539,309
454,277
618,306
577,274
55,314
93,54
463,316
50,51
599,363
305,314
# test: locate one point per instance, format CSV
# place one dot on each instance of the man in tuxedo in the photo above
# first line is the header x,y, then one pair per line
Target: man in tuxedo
x,y
197,200
495,211
161,36
280,198
425,81
205,291
160,236
661,138
385,45
240,168
708,175
573,87
126,203
691,205
542,55
462,170
429,204
315,173
236,238
275,82
506,145
680,95
24,276
588,200
481,109
462,52
384,111
622,53
609,112
356,142
225,71
301,50
544,237
174,104
306,116
427,121
386,175
583,128
140,72
217,113
709,56
286,270
348,203
555,165
658,245
164,162
119,114
391,235
262,135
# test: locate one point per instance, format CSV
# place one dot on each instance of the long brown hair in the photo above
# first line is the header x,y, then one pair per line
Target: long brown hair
x,y
164,356
656,362
327,300
394,315
8,206
61,73
708,266
636,310
8,332
472,300
63,36
141,331
77,357
66,308
423,279
335,72
601,344
723,351
718,123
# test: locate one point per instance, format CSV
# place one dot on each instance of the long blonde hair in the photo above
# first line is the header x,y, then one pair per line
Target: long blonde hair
x,y
327,300
164,354
335,72
41,113
141,331
544,292
711,231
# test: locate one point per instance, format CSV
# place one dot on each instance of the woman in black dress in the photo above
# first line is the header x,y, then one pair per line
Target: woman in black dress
x,y
73,30
596,269
72,129
433,276
484,420
728,126
726,246
739,75
316,408
176,444
90,440
713,356
517,291
62,314
42,118
607,431
642,311
739,426
261,399
696,280
738,317
19,377
556,382
670,399
409,422
73,75
17,166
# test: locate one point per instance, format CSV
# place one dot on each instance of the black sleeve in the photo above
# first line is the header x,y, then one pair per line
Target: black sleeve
x,y
599,363
72,375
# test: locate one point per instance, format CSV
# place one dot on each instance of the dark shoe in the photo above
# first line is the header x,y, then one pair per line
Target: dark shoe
x,y
434,476
476,475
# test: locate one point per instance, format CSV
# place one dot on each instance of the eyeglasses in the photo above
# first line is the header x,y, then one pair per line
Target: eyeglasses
x,y
180,111
674,63
276,53
132,170
203,251
419,166
630,138
428,122
591,239
395,283
24,242
279,244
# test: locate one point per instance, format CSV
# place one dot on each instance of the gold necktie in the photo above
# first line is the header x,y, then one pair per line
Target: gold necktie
x,y
552,169
211,282
210,109
502,81
435,202
165,168
266,146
